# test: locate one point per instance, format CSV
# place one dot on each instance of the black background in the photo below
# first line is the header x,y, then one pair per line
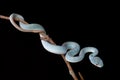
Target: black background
x,y
88,23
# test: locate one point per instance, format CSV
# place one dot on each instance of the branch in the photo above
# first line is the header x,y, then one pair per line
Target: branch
x,y
47,38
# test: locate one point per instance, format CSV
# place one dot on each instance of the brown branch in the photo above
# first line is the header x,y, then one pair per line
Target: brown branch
x,y
47,38
4,17
81,76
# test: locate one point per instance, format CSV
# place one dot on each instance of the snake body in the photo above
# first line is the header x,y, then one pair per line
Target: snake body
x,y
69,49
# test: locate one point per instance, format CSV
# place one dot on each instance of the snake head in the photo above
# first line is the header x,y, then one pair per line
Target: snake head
x,y
97,61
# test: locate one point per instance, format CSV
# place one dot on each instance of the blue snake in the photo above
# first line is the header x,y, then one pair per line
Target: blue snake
x,y
69,49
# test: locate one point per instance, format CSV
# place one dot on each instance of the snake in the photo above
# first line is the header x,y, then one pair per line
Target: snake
x,y
71,50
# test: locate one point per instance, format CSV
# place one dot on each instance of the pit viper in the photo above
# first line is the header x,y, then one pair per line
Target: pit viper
x,y
71,50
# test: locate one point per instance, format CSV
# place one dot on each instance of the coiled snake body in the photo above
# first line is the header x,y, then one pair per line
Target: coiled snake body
x,y
69,49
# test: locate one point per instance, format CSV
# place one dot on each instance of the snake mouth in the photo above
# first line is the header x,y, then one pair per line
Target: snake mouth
x,y
98,65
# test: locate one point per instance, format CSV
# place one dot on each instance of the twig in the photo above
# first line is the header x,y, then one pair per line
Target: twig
x,y
81,76
46,37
